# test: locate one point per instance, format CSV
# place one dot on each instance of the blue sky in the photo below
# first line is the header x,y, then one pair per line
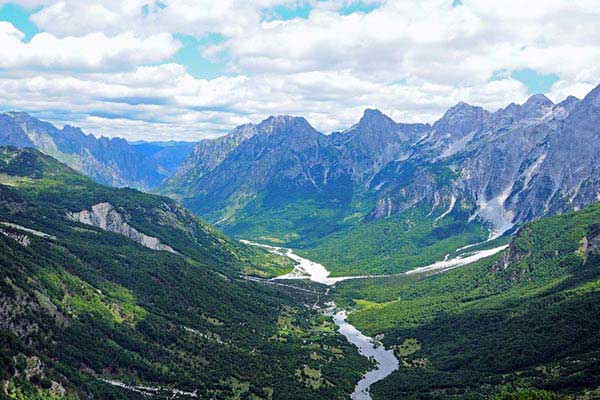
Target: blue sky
x,y
19,17
183,69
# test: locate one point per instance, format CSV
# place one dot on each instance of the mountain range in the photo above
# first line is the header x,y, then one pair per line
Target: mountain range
x,y
281,181
113,161
507,167
110,292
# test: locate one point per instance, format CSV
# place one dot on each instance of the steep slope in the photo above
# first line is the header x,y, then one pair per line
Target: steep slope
x,y
524,319
518,164
109,161
431,187
205,157
113,293
373,142
286,175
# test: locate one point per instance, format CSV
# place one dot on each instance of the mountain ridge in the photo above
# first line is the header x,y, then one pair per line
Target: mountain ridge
x,y
112,161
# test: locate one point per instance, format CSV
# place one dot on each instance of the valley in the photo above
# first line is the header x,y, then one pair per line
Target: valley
x,y
299,200
453,260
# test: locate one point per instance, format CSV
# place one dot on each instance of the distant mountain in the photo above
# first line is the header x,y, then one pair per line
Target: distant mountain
x,y
373,142
287,182
110,161
204,157
116,294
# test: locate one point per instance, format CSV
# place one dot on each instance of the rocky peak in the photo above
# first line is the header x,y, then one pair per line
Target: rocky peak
x,y
285,124
537,105
461,120
568,102
245,131
374,122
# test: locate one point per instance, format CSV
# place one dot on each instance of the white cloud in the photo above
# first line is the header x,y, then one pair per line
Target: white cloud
x,y
92,51
109,62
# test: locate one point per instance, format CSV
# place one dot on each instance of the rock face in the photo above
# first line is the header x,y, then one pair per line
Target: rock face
x,y
113,161
504,167
104,216
205,157
286,158
373,142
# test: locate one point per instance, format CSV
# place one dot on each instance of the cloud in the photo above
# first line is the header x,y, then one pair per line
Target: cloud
x,y
110,63
94,51
191,17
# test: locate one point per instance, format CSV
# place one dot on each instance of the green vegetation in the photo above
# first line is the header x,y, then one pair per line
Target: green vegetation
x,y
82,305
395,244
524,319
301,222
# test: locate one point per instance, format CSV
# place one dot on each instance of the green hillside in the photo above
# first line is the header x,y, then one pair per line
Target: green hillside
x,y
82,306
397,243
528,318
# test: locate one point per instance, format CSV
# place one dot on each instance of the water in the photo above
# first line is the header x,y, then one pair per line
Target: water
x,y
307,269
367,347
386,361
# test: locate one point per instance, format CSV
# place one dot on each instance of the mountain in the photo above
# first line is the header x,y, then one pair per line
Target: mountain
x,y
522,322
373,142
114,293
109,161
206,156
471,171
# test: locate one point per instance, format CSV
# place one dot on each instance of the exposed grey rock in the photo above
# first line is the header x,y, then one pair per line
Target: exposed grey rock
x,y
205,157
104,216
373,142
505,167
23,240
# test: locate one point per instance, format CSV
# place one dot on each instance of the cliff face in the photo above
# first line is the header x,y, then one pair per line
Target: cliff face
x,y
104,216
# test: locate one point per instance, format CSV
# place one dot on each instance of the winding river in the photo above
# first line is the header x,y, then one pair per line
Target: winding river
x,y
386,361
368,347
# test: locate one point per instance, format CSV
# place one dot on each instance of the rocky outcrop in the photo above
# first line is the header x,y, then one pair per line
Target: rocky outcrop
x,y
204,158
23,240
504,168
590,246
104,216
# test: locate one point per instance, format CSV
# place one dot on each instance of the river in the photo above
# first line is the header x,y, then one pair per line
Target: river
x,y
368,347
386,361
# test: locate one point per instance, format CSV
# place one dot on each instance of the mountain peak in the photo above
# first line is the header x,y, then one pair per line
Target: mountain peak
x,y
372,113
569,102
284,124
538,100
244,131
374,119
463,110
